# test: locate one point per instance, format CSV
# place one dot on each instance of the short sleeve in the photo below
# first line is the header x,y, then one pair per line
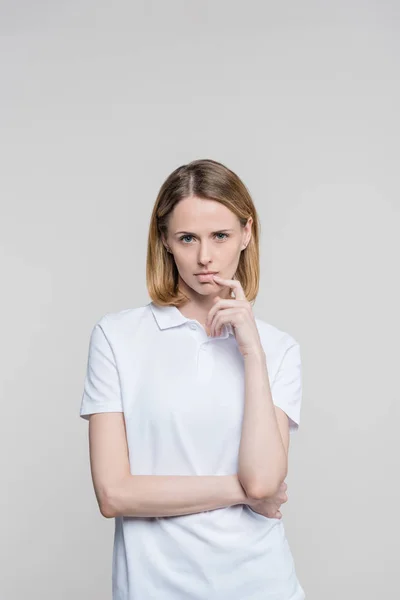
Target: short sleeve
x,y
102,390
286,388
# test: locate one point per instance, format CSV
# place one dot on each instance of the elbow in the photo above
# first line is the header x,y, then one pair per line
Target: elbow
x,y
106,512
261,492
268,489
108,505
113,502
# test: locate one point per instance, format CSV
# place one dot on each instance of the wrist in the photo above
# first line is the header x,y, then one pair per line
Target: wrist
x,y
256,355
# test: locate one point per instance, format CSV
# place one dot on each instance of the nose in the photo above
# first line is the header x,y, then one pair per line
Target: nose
x,y
204,257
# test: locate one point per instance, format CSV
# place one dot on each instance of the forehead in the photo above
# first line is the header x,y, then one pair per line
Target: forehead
x,y
194,211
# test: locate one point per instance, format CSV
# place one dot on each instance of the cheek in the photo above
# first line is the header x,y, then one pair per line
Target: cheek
x,y
183,261
233,256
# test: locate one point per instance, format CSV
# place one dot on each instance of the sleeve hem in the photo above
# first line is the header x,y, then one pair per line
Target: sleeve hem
x,y
85,413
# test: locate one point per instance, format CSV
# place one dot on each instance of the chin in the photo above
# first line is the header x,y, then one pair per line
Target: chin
x,y
205,289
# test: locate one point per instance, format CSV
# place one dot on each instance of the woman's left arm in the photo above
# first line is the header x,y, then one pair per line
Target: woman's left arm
x,y
264,444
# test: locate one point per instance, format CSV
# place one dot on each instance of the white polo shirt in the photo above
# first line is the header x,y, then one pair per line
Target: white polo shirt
x,y
182,395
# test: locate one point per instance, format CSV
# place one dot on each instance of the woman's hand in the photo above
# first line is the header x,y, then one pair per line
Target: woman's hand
x,y
239,313
269,507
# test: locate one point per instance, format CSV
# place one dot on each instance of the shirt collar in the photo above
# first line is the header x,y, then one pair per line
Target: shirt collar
x,y
171,316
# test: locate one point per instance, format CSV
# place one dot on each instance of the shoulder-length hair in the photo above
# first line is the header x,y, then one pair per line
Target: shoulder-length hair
x,y
210,180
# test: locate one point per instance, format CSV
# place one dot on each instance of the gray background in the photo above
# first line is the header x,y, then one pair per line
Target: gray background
x,y
100,101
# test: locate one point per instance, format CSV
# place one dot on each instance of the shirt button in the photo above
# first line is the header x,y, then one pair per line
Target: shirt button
x,y
193,326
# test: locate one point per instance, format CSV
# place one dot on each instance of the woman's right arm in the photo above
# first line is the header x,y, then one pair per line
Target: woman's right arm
x,y
119,493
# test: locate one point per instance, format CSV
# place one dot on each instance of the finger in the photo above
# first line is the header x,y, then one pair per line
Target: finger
x,y
220,304
221,318
212,311
234,284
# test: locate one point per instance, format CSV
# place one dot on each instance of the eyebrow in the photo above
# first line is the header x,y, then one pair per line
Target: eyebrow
x,y
191,233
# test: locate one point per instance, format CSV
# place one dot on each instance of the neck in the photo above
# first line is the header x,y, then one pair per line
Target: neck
x,y
199,306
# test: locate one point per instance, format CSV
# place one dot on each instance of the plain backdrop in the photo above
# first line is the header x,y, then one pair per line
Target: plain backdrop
x,y
99,102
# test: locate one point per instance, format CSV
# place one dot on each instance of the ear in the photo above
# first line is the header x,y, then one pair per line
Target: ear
x,y
247,233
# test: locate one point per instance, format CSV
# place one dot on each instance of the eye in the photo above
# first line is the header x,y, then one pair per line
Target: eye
x,y
218,233
185,236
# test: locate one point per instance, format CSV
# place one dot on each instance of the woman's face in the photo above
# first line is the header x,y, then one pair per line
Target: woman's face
x,y
204,235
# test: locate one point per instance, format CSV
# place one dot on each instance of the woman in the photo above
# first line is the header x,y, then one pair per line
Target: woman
x,y
191,401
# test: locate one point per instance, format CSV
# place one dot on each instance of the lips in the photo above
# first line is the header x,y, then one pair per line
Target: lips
x,y
207,273
206,277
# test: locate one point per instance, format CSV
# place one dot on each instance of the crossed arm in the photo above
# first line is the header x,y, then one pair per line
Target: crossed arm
x,y
119,493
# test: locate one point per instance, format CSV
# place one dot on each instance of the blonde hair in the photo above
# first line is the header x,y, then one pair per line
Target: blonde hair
x,y
210,180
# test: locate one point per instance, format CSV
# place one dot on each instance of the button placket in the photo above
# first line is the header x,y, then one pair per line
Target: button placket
x,y
204,362
204,356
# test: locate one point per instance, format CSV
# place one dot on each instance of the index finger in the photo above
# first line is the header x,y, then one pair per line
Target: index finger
x,y
234,284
